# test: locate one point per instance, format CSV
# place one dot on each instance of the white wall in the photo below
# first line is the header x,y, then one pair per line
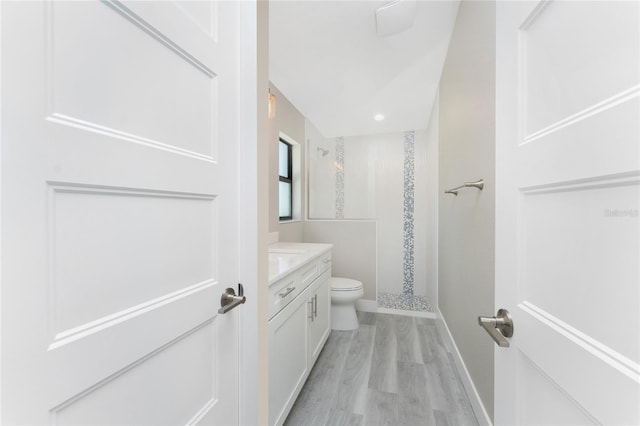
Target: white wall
x,y
359,171
374,189
360,178
467,152
389,214
354,249
322,174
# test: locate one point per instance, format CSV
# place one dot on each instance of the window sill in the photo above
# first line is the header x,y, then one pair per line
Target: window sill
x,y
289,221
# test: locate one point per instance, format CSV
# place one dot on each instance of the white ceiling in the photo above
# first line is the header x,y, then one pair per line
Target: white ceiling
x,y
328,61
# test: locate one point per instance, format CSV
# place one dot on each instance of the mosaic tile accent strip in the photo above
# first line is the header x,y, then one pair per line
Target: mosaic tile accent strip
x,y
340,178
404,302
408,237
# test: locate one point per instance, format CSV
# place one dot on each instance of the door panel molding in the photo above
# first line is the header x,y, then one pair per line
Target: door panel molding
x,y
89,223
618,179
564,355
119,386
575,247
598,108
157,34
183,120
72,335
613,358
539,384
561,61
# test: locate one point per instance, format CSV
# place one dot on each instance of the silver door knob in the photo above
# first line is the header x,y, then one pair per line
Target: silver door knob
x,y
499,327
229,300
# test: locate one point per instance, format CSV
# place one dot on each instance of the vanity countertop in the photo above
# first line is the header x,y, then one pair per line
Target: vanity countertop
x,y
287,257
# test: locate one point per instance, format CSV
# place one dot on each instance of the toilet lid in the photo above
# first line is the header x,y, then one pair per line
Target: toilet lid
x,y
343,284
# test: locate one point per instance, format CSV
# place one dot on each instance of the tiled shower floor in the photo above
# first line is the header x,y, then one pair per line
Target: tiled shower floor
x,y
404,302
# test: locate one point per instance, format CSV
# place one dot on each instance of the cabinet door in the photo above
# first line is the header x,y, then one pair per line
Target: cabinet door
x,y
288,358
320,318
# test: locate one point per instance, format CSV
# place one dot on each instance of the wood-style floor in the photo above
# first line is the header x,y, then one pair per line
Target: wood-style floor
x,y
393,370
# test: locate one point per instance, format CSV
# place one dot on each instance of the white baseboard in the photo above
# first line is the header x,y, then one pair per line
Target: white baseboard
x,y
472,392
407,313
366,305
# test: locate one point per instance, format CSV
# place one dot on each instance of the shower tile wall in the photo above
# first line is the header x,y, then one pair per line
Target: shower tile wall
x,y
339,163
409,196
381,177
321,157
402,282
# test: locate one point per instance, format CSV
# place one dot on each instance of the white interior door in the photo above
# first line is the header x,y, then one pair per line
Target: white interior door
x,y
568,168
119,205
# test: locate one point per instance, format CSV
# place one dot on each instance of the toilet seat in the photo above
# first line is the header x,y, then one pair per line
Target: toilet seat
x,y
345,284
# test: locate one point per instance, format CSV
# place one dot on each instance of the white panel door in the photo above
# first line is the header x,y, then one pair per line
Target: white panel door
x,y
567,242
119,205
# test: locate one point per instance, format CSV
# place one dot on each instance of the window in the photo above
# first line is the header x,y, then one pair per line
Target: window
x,y
285,199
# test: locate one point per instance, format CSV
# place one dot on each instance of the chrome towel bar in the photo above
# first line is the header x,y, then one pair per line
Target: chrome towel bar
x,y
477,184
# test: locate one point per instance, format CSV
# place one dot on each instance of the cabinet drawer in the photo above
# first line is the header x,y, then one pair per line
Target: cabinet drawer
x,y
283,292
289,287
308,273
324,263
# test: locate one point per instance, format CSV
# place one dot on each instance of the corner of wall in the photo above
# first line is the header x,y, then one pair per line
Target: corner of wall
x,y
474,397
467,221
433,143
290,122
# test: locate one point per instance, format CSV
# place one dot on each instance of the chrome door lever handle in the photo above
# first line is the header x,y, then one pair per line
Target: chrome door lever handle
x,y
499,327
229,300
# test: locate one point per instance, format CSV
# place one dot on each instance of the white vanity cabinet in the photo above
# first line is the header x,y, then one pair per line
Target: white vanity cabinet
x,y
318,317
299,325
288,359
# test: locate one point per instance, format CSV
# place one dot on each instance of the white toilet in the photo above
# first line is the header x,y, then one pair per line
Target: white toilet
x,y
344,293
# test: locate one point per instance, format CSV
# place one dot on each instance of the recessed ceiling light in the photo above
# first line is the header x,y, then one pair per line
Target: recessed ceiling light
x,y
378,117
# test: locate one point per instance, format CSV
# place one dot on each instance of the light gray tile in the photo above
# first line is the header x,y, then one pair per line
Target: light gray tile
x,y
355,420
463,413
407,339
442,418
366,318
317,395
384,376
430,347
391,371
337,416
382,409
351,394
415,407
340,417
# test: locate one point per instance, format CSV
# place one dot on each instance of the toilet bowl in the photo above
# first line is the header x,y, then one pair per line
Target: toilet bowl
x,y
344,293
